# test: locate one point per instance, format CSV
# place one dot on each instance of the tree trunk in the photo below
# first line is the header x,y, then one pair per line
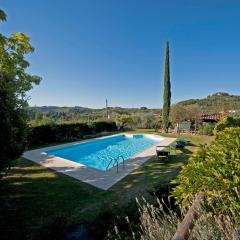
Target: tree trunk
x,y
178,128
195,127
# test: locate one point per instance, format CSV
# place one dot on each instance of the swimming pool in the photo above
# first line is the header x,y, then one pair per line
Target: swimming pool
x,y
99,153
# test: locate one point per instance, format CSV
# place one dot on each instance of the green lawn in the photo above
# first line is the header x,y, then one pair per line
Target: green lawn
x,y
33,197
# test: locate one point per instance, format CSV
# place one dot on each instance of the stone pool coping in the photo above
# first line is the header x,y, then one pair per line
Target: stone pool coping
x,y
100,179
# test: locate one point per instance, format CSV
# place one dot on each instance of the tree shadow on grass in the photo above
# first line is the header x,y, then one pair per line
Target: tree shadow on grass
x,y
186,151
191,144
145,178
32,197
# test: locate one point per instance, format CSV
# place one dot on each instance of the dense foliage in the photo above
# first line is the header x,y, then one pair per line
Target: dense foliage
x,y
214,170
147,121
12,122
53,133
226,122
14,83
167,92
124,121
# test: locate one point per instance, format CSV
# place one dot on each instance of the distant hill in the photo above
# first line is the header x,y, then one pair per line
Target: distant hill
x,y
47,109
55,112
214,103
219,101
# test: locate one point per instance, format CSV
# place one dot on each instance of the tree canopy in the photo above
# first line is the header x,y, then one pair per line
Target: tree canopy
x,y
123,120
15,81
12,59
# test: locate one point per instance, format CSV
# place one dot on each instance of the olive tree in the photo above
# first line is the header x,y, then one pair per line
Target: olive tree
x,y
178,114
123,121
194,114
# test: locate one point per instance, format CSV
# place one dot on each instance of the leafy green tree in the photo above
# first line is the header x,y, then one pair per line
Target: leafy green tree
x,y
167,92
123,121
14,83
214,170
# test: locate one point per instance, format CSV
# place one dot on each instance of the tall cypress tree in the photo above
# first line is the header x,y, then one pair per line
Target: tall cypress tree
x,y
167,92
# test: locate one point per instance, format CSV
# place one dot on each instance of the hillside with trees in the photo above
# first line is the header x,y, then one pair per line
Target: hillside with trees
x,y
217,102
140,117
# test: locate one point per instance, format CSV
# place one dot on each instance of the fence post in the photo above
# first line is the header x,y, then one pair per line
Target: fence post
x,y
187,224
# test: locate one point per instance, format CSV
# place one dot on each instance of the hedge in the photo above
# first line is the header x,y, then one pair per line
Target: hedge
x,y
226,122
98,127
54,133
214,170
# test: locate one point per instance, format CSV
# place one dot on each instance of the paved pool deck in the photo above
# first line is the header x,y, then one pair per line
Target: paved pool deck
x,y
100,179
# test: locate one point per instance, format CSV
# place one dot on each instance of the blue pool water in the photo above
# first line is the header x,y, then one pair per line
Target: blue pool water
x,y
98,153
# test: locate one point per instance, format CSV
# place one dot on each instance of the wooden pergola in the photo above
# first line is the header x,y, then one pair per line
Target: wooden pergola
x,y
211,117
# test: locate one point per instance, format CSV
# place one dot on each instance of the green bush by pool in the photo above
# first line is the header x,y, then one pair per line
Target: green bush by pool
x,y
54,133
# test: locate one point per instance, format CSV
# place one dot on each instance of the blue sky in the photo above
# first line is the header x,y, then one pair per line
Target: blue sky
x,y
88,50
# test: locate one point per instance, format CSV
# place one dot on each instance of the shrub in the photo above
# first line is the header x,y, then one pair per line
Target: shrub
x,y
214,170
226,122
41,134
157,224
71,132
102,126
53,133
207,130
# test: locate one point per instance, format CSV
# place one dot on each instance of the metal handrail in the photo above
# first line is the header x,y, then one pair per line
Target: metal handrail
x,y
121,156
116,161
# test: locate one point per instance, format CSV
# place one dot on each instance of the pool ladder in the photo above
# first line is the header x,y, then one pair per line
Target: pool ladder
x,y
115,161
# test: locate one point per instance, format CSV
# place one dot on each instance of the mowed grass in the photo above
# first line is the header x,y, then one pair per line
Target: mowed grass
x,y
33,198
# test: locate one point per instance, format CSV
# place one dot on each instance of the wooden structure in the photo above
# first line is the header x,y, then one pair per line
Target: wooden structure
x,y
185,227
211,117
